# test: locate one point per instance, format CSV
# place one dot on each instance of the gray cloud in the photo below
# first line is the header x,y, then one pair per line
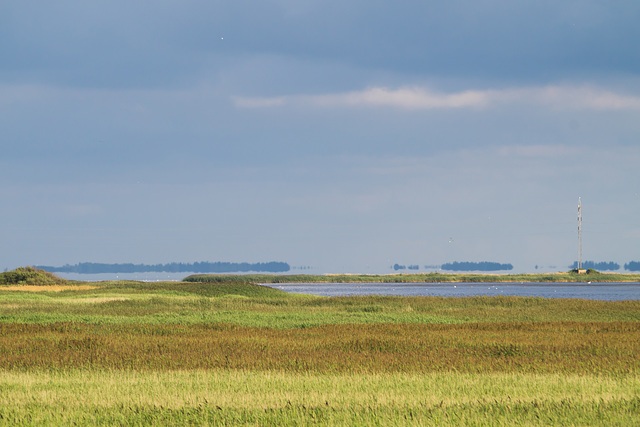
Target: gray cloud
x,y
125,44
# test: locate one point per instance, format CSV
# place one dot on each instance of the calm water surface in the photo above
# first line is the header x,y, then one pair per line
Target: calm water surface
x,y
596,291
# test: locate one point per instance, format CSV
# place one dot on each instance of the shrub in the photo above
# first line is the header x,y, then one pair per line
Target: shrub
x,y
30,276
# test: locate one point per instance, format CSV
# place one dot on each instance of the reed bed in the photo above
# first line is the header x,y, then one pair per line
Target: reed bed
x,y
275,398
542,347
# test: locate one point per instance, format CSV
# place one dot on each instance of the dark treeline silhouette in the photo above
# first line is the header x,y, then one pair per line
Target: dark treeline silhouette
x,y
174,267
460,266
404,267
602,266
632,266
476,266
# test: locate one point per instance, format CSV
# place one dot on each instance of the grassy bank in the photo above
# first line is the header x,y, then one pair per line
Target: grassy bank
x,y
251,305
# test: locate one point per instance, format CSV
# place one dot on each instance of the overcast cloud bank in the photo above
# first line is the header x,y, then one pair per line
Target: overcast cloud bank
x,y
342,135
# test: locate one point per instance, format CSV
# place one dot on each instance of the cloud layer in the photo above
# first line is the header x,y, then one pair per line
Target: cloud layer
x,y
419,98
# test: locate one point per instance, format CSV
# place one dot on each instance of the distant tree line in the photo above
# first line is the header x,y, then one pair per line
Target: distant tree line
x,y
494,266
404,267
476,266
460,266
174,267
601,266
608,266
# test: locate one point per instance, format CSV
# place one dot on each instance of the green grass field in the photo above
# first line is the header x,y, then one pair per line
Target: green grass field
x,y
234,353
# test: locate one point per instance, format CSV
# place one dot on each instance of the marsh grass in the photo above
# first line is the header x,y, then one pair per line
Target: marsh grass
x,y
276,398
261,306
560,347
131,353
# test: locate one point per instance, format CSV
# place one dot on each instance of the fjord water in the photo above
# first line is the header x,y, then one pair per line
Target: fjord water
x,y
595,291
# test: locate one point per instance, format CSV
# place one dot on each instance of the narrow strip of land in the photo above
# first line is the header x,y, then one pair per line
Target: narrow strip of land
x,y
569,277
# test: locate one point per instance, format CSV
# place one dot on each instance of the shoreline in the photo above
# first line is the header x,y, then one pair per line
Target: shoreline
x,y
560,277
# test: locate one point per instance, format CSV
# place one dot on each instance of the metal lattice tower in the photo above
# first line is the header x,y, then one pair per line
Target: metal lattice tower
x,y
579,233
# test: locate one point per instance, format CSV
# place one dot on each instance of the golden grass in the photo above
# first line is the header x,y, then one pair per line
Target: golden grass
x,y
251,390
47,288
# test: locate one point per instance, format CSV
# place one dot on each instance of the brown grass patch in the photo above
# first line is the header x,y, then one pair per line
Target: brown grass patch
x,y
549,347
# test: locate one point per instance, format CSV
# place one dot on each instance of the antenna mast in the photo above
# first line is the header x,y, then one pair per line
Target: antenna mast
x,y
579,234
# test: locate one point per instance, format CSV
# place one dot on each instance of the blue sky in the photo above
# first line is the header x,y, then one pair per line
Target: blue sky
x,y
346,136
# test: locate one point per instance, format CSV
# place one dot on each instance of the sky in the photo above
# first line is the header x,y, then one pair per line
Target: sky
x,y
345,136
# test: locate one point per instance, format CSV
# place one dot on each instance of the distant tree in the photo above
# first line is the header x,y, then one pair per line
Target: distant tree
x,y
601,266
399,267
632,266
476,266
197,267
